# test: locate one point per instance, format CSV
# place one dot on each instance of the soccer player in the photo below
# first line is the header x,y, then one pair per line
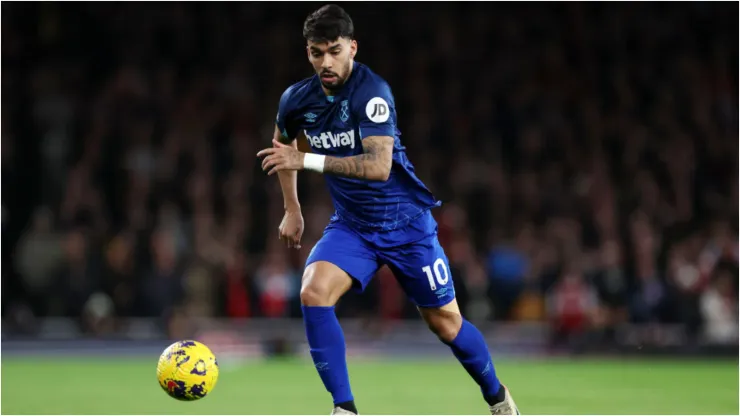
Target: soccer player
x,y
347,114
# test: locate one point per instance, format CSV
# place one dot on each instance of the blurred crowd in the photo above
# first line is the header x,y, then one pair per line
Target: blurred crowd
x,y
586,154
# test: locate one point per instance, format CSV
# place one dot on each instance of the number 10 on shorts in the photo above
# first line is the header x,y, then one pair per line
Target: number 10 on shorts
x,y
440,274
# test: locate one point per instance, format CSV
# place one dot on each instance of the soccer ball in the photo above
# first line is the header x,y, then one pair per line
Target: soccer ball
x,y
187,370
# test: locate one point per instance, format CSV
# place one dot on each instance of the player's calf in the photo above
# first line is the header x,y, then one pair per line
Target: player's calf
x,y
323,285
468,346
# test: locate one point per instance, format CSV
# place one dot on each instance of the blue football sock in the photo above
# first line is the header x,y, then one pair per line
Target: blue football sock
x,y
471,350
326,340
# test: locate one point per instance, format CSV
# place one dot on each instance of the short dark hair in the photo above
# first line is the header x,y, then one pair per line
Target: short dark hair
x,y
328,24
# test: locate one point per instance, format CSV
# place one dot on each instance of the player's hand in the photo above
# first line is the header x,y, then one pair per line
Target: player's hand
x,y
291,229
281,157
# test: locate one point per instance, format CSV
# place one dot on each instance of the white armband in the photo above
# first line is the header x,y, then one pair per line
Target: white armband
x,y
314,162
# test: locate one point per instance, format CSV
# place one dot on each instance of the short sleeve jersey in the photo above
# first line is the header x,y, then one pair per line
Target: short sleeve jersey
x,y
335,126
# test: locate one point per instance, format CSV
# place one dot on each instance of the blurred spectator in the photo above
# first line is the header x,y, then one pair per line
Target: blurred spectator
x,y
39,254
507,267
719,309
276,283
119,278
162,286
610,281
573,307
77,278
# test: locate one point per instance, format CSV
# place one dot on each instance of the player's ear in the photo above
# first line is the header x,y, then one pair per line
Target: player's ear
x,y
353,48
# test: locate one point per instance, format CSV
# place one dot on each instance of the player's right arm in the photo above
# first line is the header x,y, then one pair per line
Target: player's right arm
x,y
291,227
288,179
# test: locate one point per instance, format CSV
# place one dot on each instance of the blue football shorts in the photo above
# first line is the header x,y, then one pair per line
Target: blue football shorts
x,y
413,254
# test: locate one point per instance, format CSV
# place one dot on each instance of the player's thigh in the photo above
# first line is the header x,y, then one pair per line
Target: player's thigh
x,y
339,261
423,271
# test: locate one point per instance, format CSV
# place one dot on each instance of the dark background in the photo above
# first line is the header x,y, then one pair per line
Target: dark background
x,y
586,152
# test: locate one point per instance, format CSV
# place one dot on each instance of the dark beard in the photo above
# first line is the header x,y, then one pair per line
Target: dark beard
x,y
336,87
340,81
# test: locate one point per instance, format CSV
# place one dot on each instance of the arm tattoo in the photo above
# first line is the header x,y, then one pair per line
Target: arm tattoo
x,y
374,163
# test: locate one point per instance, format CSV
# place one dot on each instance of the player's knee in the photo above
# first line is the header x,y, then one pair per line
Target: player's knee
x,y
323,286
444,324
316,295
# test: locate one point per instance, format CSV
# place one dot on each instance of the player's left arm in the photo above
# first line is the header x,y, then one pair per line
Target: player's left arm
x,y
374,111
373,164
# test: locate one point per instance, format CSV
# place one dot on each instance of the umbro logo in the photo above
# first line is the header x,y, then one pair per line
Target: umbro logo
x,y
310,117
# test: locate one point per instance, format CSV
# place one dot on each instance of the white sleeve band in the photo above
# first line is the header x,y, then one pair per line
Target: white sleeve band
x,y
314,162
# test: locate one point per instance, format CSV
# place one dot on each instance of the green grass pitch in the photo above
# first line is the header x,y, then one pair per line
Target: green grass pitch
x,y
562,386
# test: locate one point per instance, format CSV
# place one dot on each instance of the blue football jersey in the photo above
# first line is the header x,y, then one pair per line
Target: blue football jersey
x,y
335,126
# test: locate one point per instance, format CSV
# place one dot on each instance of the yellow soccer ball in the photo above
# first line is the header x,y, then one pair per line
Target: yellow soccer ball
x,y
187,370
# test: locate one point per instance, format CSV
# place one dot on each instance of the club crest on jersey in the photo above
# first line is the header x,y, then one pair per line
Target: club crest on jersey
x,y
344,111
310,117
329,140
